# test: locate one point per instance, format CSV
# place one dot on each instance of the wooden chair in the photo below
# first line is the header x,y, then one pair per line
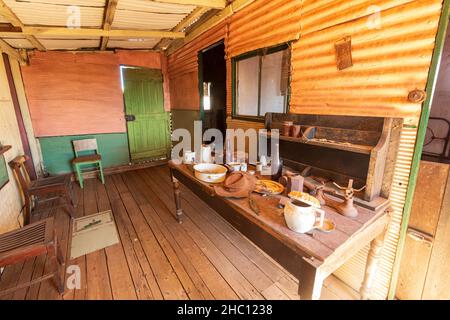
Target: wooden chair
x,y
41,190
87,145
32,241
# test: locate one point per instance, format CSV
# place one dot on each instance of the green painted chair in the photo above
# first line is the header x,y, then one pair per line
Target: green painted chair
x,y
81,148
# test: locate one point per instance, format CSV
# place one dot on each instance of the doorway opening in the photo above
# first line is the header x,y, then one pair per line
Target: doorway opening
x,y
426,235
148,124
212,86
437,140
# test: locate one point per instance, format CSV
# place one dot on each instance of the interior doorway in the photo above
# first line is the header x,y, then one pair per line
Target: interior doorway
x,y
437,140
147,122
212,86
425,263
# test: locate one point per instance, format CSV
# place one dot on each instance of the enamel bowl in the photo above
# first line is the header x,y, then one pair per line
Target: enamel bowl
x,y
210,173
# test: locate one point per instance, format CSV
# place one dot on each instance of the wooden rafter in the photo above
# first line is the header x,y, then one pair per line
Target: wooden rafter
x,y
8,27
86,32
6,48
211,22
213,4
11,17
186,22
108,20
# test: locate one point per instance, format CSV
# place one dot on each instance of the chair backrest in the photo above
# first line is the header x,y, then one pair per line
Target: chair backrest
x,y
85,145
21,173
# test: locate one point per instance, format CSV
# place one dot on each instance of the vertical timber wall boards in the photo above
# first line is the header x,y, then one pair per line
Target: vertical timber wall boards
x,y
392,47
73,95
10,204
426,260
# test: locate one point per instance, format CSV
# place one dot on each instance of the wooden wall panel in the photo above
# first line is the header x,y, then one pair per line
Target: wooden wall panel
x,y
80,93
413,270
437,285
424,262
388,63
430,189
11,203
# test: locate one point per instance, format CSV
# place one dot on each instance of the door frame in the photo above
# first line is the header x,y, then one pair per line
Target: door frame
x,y
200,75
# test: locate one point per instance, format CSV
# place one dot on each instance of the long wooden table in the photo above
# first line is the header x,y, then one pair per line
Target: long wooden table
x,y
309,257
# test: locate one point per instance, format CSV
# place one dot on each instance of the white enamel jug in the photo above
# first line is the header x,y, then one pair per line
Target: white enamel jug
x,y
302,218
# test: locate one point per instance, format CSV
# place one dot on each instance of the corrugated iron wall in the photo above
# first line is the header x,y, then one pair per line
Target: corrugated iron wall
x,y
321,14
183,69
263,24
390,60
392,45
353,271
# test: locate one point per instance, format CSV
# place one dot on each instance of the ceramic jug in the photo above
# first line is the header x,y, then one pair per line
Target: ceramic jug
x,y
302,218
205,153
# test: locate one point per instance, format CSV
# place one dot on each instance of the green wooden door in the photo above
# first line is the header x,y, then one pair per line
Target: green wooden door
x,y
148,123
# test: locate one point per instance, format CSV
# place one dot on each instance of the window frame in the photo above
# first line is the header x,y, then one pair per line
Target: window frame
x,y
247,55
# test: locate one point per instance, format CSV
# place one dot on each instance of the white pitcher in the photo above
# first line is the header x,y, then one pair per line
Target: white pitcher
x,y
302,218
206,153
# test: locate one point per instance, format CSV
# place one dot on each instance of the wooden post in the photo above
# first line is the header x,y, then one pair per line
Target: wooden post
x,y
176,193
372,265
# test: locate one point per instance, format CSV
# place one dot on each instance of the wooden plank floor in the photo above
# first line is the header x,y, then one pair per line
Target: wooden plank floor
x,y
157,258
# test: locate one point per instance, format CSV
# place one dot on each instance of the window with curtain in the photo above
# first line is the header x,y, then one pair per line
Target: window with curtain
x,y
261,82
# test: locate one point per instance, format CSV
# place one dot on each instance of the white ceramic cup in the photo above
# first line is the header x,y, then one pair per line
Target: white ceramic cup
x,y
259,167
303,218
189,157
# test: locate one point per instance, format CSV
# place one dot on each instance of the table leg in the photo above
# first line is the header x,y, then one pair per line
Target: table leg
x,y
176,193
372,265
310,281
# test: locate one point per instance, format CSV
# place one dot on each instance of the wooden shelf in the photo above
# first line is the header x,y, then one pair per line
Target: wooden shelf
x,y
3,149
350,147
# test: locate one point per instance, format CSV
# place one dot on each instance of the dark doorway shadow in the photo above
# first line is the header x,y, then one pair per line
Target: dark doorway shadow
x,y
213,87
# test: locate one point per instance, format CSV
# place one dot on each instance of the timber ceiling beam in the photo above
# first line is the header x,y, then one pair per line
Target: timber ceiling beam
x,y
8,27
87,32
11,17
10,51
186,22
212,4
108,20
228,11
